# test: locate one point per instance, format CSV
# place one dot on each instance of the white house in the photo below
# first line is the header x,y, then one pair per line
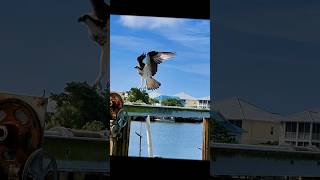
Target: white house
x,y
194,102
204,102
302,129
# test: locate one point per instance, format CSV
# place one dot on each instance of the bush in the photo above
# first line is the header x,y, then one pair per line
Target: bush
x,y
79,104
93,126
67,116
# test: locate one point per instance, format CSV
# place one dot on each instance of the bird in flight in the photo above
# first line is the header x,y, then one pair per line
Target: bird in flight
x,y
97,23
149,69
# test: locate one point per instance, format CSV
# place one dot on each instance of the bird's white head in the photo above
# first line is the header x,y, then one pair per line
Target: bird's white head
x,y
83,18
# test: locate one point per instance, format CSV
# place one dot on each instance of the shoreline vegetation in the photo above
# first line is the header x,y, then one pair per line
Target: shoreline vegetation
x,y
79,106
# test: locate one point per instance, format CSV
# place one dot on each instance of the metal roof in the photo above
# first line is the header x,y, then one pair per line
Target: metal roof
x,y
239,109
183,95
311,115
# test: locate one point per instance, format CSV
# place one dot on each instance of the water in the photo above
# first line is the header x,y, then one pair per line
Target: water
x,y
169,140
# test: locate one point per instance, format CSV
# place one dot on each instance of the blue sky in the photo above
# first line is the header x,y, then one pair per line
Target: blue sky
x,y
267,52
42,46
189,71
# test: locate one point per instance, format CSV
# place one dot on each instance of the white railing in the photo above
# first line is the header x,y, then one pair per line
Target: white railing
x,y
301,136
315,136
304,136
290,135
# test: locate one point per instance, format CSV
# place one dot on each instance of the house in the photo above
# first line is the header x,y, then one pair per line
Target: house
x,y
302,129
204,102
187,100
260,126
190,101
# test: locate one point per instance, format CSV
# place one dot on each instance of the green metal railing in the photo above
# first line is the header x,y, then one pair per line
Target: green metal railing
x,y
166,111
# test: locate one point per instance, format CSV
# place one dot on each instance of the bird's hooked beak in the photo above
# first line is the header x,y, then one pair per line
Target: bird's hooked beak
x,y
81,19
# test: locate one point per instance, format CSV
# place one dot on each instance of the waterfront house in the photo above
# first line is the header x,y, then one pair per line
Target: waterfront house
x,y
260,126
187,100
204,102
190,101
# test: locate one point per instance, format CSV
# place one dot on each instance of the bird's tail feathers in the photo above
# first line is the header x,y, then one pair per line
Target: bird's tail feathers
x,y
152,84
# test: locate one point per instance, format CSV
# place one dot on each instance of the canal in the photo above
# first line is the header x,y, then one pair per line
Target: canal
x,y
169,140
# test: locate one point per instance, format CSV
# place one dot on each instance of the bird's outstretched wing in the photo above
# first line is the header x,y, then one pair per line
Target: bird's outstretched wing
x,y
100,9
140,60
157,58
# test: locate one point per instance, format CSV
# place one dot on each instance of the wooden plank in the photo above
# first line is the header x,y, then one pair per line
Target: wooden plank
x,y
84,166
77,149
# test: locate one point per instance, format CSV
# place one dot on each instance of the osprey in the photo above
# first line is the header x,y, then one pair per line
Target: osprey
x,y
97,23
147,71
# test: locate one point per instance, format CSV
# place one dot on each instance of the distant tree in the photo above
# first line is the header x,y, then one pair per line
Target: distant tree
x,y
79,104
67,116
171,102
136,94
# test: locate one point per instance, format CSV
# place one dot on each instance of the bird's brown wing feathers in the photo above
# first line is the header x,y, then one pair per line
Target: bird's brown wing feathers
x,y
140,60
154,67
157,58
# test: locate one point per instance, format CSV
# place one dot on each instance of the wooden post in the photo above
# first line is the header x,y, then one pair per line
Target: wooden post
x,y
205,140
107,76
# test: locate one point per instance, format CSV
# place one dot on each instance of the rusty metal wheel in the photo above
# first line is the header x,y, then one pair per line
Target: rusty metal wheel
x,y
39,165
20,135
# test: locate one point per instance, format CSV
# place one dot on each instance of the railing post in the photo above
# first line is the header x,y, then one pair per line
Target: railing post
x,y
310,135
149,141
297,133
206,140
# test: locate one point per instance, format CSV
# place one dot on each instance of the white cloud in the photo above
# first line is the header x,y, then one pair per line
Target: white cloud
x,y
133,43
193,36
186,32
148,22
198,43
199,68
